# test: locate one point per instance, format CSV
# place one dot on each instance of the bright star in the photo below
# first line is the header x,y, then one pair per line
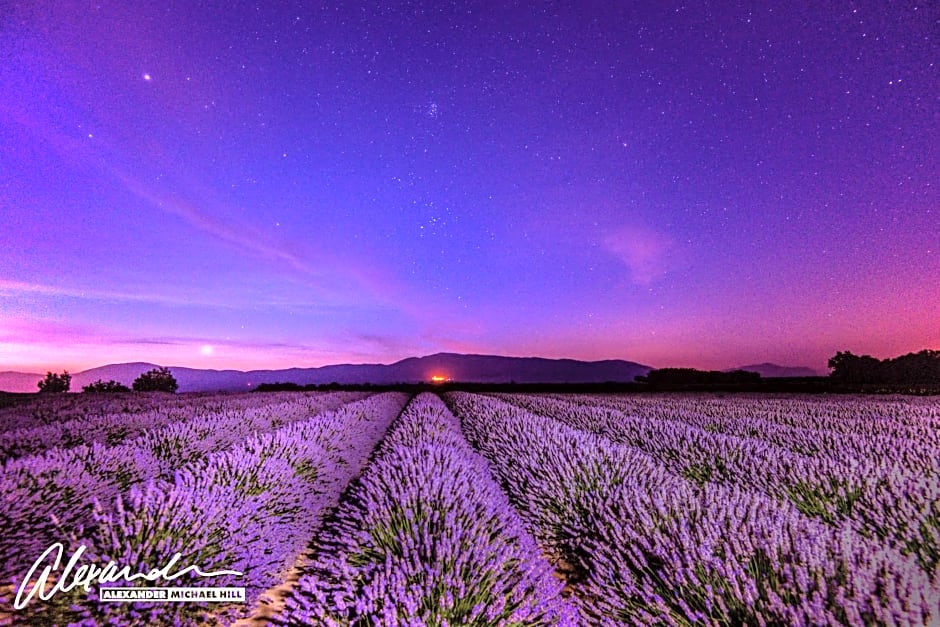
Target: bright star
x,y
147,77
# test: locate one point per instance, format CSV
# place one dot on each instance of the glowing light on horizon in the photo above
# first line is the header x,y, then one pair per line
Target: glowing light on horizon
x,y
206,349
438,378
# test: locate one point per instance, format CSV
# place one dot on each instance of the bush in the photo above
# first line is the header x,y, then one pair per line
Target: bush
x,y
156,380
105,387
55,383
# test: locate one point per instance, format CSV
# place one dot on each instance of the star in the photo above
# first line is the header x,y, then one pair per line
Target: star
x,y
147,76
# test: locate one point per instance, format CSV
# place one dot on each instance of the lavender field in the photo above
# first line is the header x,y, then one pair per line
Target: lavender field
x,y
345,508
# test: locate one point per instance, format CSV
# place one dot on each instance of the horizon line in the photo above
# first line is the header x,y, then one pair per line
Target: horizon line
x,y
397,361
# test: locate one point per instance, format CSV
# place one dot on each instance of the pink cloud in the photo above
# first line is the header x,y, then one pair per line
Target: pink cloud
x,y
644,251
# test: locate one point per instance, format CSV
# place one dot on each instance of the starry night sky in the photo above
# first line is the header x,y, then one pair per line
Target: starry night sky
x,y
246,185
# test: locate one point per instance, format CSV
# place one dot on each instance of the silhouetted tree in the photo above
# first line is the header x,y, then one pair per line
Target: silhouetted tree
x,y
841,364
105,387
922,367
55,383
854,368
156,380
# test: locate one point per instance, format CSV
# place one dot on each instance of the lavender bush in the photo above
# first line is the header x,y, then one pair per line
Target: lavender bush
x,y
110,421
58,408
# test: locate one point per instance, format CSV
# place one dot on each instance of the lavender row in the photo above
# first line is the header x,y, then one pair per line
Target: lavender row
x,y
891,435
650,547
106,422
876,447
905,420
898,504
251,509
428,538
47,409
691,429
895,434
65,482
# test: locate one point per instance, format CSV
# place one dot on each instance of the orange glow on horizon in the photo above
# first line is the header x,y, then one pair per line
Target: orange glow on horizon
x,y
438,378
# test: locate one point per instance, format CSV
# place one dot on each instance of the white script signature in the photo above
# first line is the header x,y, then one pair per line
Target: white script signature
x,y
86,575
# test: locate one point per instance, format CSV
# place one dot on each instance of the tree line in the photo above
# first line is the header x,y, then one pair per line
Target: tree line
x,y
921,368
691,376
847,370
155,380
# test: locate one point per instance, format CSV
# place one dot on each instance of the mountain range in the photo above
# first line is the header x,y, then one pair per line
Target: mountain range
x,y
450,366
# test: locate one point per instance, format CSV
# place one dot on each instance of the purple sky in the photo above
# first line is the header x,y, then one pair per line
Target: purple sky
x,y
247,185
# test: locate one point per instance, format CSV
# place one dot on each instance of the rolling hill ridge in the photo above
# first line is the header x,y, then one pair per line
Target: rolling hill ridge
x,y
452,366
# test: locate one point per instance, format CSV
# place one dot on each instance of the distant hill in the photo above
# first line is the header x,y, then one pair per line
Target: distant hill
x,y
122,373
19,381
452,366
769,371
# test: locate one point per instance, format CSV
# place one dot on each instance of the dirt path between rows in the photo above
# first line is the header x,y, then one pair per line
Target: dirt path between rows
x,y
271,602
